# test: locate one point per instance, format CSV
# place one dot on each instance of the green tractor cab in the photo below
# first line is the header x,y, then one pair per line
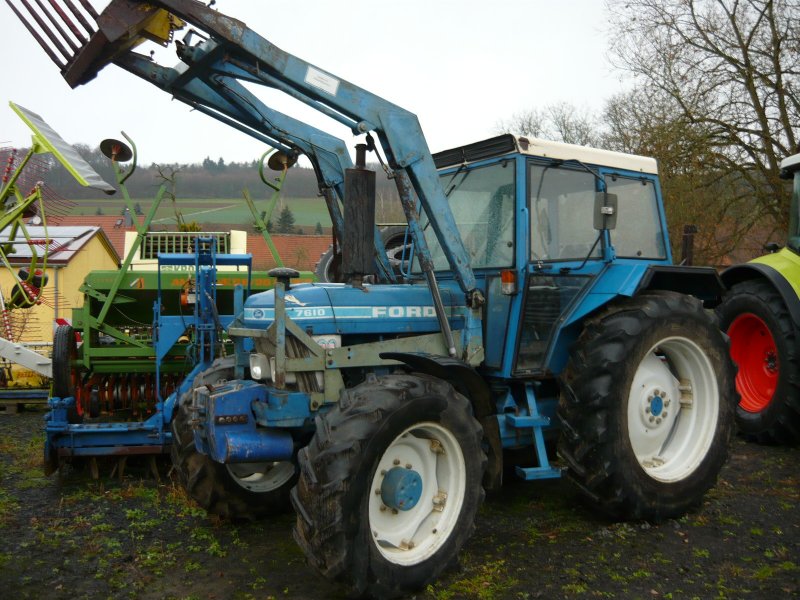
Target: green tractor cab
x,y
761,314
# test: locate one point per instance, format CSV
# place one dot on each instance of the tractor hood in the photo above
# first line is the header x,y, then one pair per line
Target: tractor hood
x,y
330,308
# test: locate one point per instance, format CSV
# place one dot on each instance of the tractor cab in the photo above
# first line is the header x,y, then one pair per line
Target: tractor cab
x,y
545,225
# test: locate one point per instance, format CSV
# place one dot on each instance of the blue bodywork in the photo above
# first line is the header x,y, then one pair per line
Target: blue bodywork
x,y
524,404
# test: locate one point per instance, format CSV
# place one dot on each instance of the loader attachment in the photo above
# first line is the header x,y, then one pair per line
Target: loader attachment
x,y
81,42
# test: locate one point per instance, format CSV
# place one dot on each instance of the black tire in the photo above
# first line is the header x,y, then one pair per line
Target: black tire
x,y
232,492
65,375
764,344
329,267
632,453
394,238
351,456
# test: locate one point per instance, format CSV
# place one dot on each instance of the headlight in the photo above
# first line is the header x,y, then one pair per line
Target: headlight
x,y
259,367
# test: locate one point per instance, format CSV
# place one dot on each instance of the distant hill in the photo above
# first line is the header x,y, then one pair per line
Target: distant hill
x,y
210,192
211,179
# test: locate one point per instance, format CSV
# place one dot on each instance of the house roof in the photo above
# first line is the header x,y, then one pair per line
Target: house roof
x,y
61,243
301,252
113,226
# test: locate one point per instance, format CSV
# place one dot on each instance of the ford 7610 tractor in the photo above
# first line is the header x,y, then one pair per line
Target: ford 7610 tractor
x,y
536,300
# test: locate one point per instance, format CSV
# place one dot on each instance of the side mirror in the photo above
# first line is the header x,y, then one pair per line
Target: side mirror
x,y
605,211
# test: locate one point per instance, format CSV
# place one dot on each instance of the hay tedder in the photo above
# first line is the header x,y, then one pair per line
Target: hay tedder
x,y
26,206
538,302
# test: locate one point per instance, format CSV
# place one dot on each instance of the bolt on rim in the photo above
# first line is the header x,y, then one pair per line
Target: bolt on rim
x,y
673,409
411,516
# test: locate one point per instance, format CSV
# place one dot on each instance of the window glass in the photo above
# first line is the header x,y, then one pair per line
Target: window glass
x,y
482,201
638,233
562,213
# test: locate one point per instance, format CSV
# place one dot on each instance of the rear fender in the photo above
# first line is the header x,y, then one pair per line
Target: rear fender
x,y
628,279
776,275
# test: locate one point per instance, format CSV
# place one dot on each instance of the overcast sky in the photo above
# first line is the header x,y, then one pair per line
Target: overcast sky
x,y
460,65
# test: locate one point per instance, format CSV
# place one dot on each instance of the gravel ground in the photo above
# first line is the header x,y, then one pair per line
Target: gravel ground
x,y
71,537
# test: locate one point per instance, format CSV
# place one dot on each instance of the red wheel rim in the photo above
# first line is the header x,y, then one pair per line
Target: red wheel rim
x,y
754,351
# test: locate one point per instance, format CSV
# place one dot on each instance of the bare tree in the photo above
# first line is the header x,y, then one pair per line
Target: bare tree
x,y
561,122
645,121
527,122
725,75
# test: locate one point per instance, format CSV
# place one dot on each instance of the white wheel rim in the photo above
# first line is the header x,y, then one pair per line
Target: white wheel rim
x,y
408,537
673,409
261,477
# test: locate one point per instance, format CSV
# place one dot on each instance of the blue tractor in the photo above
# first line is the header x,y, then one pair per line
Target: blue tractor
x,y
534,303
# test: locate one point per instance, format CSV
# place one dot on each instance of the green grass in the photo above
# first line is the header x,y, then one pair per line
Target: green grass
x,y
233,211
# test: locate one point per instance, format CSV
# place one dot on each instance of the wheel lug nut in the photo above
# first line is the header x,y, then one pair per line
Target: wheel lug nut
x,y
408,465
658,421
647,410
652,419
665,414
396,462
663,394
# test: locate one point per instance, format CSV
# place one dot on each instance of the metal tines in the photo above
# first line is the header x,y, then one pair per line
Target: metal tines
x,y
62,27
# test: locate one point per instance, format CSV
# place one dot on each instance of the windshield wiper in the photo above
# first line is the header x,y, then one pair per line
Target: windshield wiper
x,y
451,187
588,256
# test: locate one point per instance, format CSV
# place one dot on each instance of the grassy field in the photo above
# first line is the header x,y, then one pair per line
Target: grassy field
x,y
234,211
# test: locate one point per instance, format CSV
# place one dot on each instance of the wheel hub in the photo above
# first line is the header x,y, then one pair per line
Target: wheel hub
x,y
401,488
771,361
655,403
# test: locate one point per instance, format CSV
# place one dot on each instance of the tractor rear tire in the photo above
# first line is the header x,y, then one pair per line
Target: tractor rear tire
x,y
65,375
237,492
647,406
764,346
329,267
355,522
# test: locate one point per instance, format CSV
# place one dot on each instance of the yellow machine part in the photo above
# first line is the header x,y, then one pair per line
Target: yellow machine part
x,y
22,379
160,27
785,262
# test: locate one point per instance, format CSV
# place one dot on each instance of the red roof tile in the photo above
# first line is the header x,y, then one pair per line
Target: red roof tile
x,y
301,252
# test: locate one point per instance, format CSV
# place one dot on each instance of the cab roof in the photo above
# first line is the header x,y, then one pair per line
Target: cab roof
x,y
508,143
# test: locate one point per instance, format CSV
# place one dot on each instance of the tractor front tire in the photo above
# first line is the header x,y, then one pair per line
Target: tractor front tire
x,y
245,491
390,485
647,406
764,346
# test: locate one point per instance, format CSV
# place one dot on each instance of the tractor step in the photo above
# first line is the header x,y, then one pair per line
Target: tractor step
x,y
531,473
523,422
536,422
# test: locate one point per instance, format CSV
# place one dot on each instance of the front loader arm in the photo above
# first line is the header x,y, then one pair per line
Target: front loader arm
x,y
239,50
227,100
